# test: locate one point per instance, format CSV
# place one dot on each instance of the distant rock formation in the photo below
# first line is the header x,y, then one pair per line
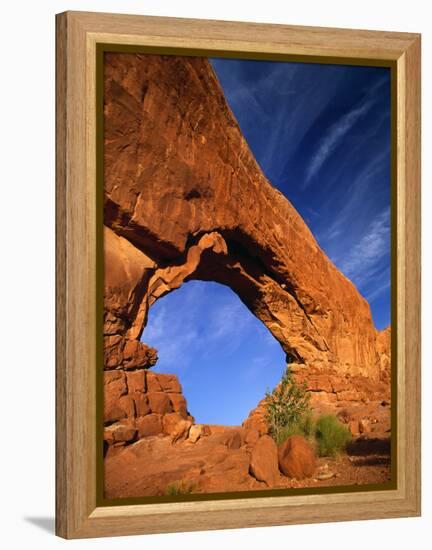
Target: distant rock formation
x,y
185,199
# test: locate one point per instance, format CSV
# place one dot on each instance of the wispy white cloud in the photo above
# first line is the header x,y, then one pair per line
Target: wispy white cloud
x,y
378,290
335,135
356,192
365,257
339,130
295,105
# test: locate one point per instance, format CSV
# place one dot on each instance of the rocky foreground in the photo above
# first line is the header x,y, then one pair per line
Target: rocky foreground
x,y
162,449
231,460
185,199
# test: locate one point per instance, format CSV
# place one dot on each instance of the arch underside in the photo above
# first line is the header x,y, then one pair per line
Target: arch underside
x,y
269,300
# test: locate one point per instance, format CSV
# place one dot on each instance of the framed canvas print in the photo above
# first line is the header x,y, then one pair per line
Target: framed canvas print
x,y
238,274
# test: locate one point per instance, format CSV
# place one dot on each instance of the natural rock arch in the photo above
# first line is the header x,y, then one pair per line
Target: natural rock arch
x,y
185,199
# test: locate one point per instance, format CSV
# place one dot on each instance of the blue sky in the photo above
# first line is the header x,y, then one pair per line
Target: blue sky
x,y
321,134
224,357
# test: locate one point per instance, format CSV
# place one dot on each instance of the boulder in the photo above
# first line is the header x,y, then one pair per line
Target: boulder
x,y
264,460
296,457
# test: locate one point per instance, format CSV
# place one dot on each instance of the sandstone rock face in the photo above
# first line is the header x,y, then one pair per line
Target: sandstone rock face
x,y
119,433
264,460
150,424
197,431
354,427
181,431
296,457
351,397
170,423
232,439
256,421
159,403
251,436
140,404
384,353
185,199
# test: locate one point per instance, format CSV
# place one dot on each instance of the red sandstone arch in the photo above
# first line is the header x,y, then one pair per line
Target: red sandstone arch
x,y
185,198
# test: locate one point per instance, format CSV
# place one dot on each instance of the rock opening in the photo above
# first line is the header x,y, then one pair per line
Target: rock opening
x,y
222,355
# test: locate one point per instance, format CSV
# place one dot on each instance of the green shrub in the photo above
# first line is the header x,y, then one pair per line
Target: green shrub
x,y
182,487
304,427
331,435
287,408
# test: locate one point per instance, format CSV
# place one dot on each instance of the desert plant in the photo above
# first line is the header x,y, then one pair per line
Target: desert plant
x,y
305,427
331,435
286,407
182,487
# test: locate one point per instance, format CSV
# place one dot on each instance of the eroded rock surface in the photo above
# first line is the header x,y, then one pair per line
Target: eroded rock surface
x,y
141,403
185,193
185,199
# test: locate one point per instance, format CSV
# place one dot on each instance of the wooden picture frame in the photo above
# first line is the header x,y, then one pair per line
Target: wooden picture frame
x,y
78,35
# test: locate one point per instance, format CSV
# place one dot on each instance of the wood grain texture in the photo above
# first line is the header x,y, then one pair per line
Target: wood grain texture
x,y
61,324
256,37
77,514
76,286
412,262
